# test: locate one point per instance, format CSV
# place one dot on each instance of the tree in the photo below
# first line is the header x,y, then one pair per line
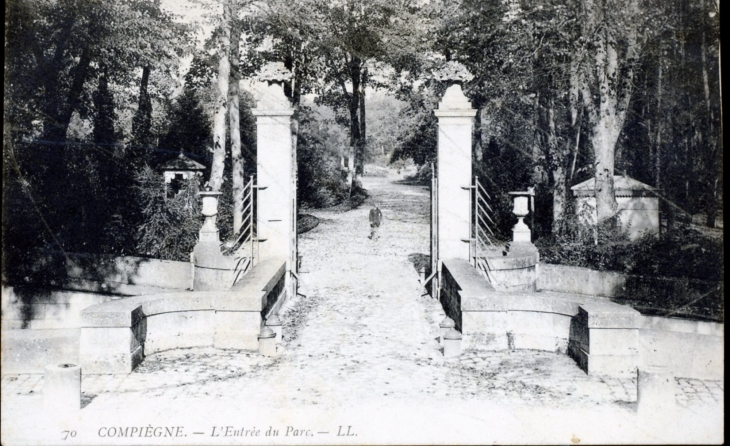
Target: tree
x,y
235,128
170,225
104,115
73,61
518,54
333,48
190,129
614,35
219,123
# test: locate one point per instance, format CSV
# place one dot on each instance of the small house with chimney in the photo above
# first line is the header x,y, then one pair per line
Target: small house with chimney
x,y
178,171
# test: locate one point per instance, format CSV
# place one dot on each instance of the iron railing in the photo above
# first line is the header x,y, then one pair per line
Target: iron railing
x,y
481,233
244,247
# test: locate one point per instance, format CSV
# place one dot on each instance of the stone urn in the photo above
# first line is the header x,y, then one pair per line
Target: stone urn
x,y
521,243
209,231
521,232
213,270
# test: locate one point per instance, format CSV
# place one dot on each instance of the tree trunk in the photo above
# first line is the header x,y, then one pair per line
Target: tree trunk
x,y
576,112
356,143
560,191
219,123
363,124
56,129
234,117
142,122
143,117
614,84
604,131
713,210
711,194
50,83
104,111
658,139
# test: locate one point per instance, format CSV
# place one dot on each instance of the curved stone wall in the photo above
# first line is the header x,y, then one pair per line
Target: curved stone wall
x,y
116,336
603,337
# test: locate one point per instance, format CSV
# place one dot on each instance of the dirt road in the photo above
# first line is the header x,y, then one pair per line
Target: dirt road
x,y
361,356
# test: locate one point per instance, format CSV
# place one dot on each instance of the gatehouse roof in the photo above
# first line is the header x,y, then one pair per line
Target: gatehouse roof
x,y
624,186
182,162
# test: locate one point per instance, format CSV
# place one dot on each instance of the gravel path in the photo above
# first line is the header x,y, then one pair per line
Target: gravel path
x,y
360,348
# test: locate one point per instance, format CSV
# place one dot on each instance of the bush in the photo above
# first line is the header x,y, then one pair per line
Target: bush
x,y
677,274
169,228
322,182
681,252
422,177
670,296
603,247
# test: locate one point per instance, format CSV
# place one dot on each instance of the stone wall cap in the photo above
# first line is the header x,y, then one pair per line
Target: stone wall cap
x,y
611,315
520,258
244,296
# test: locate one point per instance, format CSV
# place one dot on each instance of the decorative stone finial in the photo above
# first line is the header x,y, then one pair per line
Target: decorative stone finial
x,y
269,91
453,72
274,72
209,230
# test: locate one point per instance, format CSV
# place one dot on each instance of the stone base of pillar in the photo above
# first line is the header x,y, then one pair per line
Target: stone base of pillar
x,y
516,269
213,270
520,249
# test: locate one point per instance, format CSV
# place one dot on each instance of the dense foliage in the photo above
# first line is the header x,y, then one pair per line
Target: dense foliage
x,y
321,178
680,273
563,91
169,229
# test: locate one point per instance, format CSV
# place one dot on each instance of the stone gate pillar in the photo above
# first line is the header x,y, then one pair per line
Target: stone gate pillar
x,y
275,195
455,115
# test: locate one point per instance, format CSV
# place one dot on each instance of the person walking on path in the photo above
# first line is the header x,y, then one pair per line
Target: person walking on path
x,y
376,217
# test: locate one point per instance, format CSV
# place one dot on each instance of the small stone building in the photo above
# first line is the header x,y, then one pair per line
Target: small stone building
x,y
638,204
179,170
